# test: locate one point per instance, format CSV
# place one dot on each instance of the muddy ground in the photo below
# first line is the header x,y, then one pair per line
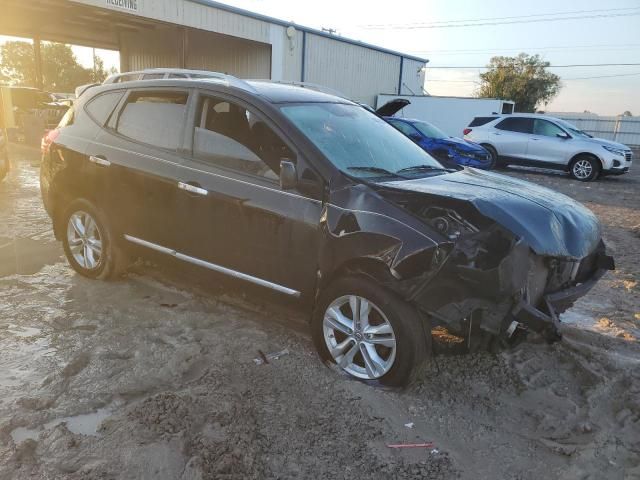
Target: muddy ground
x,y
153,377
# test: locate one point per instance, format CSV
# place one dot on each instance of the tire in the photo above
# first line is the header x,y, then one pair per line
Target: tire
x,y
495,161
95,254
585,168
407,343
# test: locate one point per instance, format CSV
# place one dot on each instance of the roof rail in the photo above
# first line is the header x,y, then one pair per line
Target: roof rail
x,y
230,80
310,86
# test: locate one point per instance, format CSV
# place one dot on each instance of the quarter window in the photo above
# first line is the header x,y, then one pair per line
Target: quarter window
x,y
155,118
516,124
228,135
99,108
546,128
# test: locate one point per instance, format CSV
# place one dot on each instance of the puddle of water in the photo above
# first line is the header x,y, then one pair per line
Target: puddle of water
x,y
86,424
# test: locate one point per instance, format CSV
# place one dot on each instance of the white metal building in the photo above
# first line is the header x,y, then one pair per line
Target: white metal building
x,y
208,35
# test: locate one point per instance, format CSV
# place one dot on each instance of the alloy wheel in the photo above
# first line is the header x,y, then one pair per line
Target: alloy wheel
x,y
582,169
359,337
85,240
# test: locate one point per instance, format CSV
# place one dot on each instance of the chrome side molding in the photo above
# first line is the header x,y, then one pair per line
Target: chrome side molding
x,y
213,266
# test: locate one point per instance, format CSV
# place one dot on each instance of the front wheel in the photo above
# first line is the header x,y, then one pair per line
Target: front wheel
x,y
370,333
585,168
89,243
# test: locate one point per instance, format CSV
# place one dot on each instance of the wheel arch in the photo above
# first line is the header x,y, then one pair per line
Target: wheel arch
x,y
66,190
585,154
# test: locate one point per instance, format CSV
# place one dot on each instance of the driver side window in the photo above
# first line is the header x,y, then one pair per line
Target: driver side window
x,y
546,128
404,128
228,135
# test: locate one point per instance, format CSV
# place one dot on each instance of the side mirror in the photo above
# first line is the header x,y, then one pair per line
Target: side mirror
x,y
563,135
288,175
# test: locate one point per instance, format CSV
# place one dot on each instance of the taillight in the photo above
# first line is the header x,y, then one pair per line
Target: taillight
x,y
466,131
48,139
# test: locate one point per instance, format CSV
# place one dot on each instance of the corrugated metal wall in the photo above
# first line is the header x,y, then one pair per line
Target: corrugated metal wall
x,y
221,53
359,73
618,129
412,77
205,51
240,44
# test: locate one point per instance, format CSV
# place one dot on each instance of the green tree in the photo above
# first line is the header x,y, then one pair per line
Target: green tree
x,y
523,79
61,71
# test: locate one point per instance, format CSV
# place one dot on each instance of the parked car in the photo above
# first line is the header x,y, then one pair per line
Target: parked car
x,y
446,149
315,197
548,142
5,166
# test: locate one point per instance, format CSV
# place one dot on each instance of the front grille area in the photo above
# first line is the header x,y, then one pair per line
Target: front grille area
x,y
627,156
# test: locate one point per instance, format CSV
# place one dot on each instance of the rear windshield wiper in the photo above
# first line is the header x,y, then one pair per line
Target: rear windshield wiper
x,y
422,167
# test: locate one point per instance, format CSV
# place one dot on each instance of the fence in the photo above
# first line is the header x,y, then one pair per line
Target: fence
x,y
618,129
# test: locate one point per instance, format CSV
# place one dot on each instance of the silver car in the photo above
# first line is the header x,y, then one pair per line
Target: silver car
x,y
548,142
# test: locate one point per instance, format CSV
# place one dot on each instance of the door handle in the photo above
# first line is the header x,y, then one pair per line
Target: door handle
x,y
535,139
99,160
192,187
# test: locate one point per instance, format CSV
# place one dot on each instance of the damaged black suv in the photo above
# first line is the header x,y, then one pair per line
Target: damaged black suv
x,y
316,197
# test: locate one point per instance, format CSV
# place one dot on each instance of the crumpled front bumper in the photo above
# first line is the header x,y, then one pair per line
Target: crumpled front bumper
x,y
544,318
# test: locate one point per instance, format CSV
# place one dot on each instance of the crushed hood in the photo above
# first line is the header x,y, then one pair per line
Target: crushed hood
x,y
551,223
461,144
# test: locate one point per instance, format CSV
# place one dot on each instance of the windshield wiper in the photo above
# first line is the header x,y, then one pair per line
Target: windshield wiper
x,y
373,170
422,167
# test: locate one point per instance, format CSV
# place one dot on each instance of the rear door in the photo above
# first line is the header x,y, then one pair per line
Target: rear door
x,y
511,136
236,216
139,151
549,143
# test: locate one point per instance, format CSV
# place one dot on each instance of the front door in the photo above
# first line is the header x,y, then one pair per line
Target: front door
x,y
549,143
236,218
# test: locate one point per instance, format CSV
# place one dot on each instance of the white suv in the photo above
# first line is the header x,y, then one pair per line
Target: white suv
x,y
549,142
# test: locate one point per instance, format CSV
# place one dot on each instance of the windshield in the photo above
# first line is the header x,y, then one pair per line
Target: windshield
x,y
572,128
358,142
429,130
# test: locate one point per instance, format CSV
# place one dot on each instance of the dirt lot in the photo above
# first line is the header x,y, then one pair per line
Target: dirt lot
x,y
154,376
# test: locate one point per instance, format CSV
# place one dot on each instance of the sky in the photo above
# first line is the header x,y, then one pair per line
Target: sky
x,y
398,25
580,41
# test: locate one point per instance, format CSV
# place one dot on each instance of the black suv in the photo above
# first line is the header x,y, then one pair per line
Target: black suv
x,y
316,197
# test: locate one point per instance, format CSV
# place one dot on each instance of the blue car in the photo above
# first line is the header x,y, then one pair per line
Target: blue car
x,y
446,149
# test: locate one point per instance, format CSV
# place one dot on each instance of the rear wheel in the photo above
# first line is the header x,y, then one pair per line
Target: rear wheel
x,y
585,168
89,243
370,333
495,161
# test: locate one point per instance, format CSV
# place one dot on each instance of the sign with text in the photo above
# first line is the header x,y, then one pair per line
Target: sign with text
x,y
131,5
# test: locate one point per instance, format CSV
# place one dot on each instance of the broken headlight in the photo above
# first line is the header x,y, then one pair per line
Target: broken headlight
x,y
448,222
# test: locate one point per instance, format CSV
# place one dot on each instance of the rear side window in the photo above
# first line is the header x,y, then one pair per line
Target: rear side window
x,y
100,107
478,121
516,124
154,117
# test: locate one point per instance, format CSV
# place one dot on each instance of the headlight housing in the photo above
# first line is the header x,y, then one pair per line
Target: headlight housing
x,y
614,150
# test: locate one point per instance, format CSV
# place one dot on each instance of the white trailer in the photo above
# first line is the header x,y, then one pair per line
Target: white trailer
x,y
449,114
